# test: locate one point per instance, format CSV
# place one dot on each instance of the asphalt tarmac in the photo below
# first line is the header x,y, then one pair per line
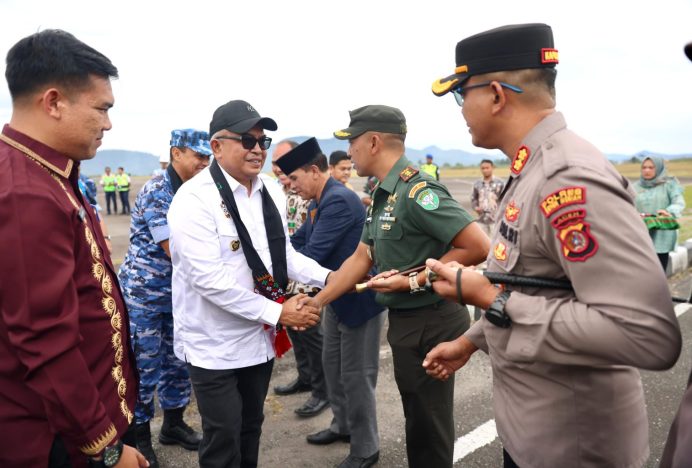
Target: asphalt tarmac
x,y
283,440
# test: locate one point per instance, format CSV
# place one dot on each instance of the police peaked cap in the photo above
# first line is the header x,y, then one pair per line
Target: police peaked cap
x,y
513,47
300,156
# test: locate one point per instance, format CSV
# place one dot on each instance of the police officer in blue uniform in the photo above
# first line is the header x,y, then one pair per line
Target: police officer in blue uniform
x,y
145,277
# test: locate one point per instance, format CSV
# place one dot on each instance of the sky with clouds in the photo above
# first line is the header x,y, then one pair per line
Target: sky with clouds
x,y
624,82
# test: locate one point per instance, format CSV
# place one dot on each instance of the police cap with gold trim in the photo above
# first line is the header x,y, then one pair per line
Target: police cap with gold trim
x,y
300,156
373,118
512,47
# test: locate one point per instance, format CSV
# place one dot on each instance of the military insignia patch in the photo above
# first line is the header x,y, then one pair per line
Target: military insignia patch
x,y
500,251
563,197
341,134
511,212
235,245
407,173
428,200
520,159
416,188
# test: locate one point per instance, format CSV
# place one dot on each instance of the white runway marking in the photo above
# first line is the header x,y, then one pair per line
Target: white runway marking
x,y
477,438
681,309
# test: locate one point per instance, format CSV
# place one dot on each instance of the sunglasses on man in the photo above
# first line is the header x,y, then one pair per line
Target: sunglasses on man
x,y
249,141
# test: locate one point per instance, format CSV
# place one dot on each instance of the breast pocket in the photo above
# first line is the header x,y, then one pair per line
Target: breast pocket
x,y
230,243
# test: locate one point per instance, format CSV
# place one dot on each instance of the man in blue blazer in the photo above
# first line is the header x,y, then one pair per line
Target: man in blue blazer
x,y
351,324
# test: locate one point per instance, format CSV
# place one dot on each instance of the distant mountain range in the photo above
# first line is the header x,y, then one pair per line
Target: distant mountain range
x,y
139,163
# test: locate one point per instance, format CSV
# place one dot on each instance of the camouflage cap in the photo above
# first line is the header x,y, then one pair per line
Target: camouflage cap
x,y
373,118
196,140
513,47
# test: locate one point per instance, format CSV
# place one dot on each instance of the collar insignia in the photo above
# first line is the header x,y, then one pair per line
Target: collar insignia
x,y
520,159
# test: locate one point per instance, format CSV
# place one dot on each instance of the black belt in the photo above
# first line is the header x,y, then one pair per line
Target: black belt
x,y
434,305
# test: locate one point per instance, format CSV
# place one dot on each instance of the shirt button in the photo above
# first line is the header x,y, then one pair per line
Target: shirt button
x,y
549,146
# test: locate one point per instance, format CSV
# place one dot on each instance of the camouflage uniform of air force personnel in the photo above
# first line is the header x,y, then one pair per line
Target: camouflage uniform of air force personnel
x,y
145,277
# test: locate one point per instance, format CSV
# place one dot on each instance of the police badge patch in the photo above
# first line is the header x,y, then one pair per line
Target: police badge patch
x,y
574,234
428,200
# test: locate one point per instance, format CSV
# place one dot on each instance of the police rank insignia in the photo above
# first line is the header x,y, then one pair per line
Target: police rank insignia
x,y
511,212
520,159
235,245
574,233
428,200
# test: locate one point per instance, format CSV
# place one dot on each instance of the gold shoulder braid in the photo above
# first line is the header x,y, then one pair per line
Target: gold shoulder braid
x,y
98,270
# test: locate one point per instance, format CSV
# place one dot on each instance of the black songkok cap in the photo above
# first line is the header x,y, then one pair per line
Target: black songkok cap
x,y
513,47
688,50
299,156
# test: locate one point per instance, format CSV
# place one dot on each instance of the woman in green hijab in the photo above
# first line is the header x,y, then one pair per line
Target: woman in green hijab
x,y
660,202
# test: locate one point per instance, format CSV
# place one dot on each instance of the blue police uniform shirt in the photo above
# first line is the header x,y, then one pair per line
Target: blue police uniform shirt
x,y
145,275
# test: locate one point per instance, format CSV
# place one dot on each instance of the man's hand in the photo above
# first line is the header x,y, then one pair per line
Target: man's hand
x,y
389,281
663,212
476,289
131,458
447,358
298,313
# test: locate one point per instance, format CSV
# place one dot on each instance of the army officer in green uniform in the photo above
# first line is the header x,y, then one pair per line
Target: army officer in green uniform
x,y
412,217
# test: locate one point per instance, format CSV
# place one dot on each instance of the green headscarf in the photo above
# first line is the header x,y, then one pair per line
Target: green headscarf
x,y
659,178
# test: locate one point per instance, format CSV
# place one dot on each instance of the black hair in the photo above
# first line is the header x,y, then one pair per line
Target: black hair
x,y
337,156
53,56
488,161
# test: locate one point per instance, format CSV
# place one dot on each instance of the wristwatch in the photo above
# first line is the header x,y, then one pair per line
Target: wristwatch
x,y
413,283
496,312
111,454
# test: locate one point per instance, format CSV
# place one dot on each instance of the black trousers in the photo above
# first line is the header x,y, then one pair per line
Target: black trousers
x,y
110,197
125,200
507,460
428,403
231,403
307,346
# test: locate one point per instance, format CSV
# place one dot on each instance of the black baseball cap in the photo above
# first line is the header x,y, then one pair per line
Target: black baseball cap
x,y
299,156
374,118
238,117
513,47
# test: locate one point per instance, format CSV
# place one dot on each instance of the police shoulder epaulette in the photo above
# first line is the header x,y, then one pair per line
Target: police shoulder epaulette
x,y
407,173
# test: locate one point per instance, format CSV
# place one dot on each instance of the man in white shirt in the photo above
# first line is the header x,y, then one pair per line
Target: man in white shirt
x,y
231,263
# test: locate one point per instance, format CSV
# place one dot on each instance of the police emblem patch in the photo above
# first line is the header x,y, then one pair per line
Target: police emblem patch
x,y
428,200
574,233
235,245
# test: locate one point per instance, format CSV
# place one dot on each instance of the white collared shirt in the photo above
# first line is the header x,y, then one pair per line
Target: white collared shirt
x,y
218,318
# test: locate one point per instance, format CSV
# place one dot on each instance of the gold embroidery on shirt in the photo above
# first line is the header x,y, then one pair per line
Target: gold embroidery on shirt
x,y
96,446
108,303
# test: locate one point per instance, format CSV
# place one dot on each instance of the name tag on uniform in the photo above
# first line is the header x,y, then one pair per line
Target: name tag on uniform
x,y
388,218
